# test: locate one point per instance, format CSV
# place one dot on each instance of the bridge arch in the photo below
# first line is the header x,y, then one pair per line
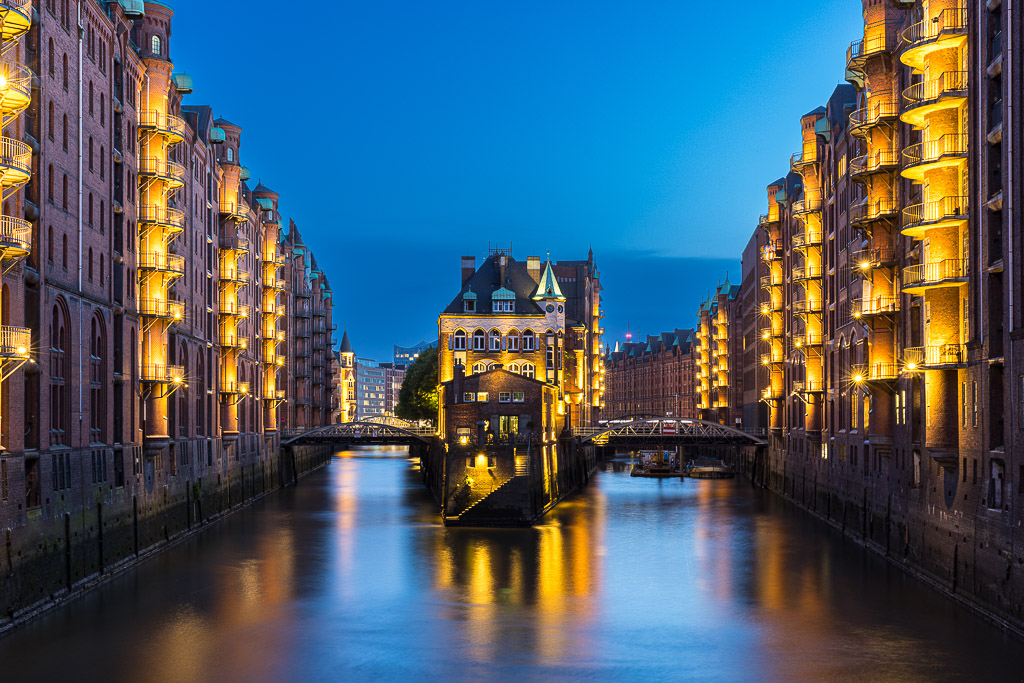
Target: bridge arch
x,y
366,431
668,430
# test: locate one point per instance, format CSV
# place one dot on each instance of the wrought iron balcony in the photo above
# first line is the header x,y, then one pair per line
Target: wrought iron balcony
x,y
166,263
157,122
947,29
806,205
862,215
235,243
15,87
15,238
768,281
802,273
236,211
875,372
938,213
234,275
809,387
802,159
933,357
170,172
920,99
806,307
863,260
15,342
808,238
880,38
807,339
874,306
944,273
234,309
875,161
15,163
233,340
948,150
232,386
170,220
15,18
881,109
162,374
162,308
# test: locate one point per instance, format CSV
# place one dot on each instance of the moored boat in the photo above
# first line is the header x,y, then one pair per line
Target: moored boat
x,y
709,468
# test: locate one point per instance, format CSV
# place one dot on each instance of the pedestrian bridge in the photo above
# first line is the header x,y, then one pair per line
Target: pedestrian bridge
x,y
664,431
371,431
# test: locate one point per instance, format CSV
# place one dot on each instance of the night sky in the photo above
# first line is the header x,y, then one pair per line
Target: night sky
x,y
402,135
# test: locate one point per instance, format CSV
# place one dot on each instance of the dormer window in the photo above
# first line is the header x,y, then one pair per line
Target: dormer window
x,y
469,305
503,306
503,301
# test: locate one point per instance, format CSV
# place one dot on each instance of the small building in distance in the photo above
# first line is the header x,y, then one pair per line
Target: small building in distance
x,y
405,355
651,377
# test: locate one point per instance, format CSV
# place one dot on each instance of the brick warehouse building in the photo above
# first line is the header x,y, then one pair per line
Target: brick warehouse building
x,y
652,377
884,285
144,325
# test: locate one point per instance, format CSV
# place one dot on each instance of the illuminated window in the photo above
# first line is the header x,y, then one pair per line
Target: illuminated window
x,y
517,397
529,340
467,397
480,367
459,340
155,45
479,341
495,340
481,397
529,370
230,154
513,340
504,397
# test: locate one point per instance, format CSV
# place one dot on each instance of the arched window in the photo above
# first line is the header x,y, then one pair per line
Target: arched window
x,y
230,154
92,99
65,71
528,370
103,114
200,393
60,412
53,61
459,340
241,404
495,340
155,46
49,183
103,166
513,340
529,340
65,133
480,367
97,382
479,341
514,367
64,194
103,271
49,121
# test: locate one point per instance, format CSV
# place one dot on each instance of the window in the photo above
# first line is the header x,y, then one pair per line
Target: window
x,y
65,136
230,154
502,306
495,340
59,397
514,367
469,305
529,340
517,397
974,404
49,121
995,484
479,341
97,383
529,370
481,397
963,404
155,45
512,338
550,357
65,72
479,367
53,65
49,243
467,397
504,397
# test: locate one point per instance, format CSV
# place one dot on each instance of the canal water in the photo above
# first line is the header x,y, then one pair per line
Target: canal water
x,y
350,576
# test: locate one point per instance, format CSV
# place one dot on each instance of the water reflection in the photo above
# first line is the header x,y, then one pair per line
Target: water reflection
x,y
350,576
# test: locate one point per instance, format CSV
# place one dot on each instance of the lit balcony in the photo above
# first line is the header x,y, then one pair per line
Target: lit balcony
x,y
878,112
939,213
231,386
170,221
771,332
875,372
169,172
944,273
15,18
15,238
927,97
803,159
274,258
162,308
863,261
236,211
15,342
769,281
865,213
806,307
874,306
273,283
234,275
233,309
948,150
771,394
876,161
947,29
766,219
807,339
233,340
15,87
809,387
809,238
168,125
772,251
807,205
15,163
880,38
234,243
934,357
771,358
171,265
162,374
802,273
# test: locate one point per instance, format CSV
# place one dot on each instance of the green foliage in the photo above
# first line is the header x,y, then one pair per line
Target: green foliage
x,y
417,400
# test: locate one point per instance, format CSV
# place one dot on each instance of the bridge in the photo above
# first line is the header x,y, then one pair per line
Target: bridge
x,y
664,431
371,431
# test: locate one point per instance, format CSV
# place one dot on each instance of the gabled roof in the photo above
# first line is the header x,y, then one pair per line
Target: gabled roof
x,y
548,287
485,283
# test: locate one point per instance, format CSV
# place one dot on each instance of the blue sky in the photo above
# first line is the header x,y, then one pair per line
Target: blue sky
x,y
403,134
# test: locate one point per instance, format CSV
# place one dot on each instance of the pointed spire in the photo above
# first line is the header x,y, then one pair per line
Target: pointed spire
x,y
548,287
346,345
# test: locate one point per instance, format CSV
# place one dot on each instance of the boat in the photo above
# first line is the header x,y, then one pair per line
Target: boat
x,y
656,464
655,472
709,468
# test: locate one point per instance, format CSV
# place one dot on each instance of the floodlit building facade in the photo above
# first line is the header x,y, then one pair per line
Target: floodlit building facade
x,y
654,377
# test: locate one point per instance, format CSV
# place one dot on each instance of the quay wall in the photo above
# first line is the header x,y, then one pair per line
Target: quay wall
x,y
81,540
934,531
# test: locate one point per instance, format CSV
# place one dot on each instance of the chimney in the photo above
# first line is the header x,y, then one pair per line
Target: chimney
x,y
501,270
468,268
533,268
458,375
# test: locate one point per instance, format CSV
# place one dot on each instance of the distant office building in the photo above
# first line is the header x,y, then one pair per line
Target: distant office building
x,y
370,389
394,375
405,355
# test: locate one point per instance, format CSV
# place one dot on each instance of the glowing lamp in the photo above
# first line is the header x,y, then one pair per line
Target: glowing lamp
x,y
765,335
911,366
22,350
765,361
177,380
864,265
798,343
858,379
3,81
764,310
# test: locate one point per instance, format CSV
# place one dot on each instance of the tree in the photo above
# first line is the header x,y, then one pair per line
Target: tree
x,y
417,399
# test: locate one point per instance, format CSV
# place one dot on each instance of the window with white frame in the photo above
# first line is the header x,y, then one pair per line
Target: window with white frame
x,y
468,397
481,397
480,367
518,397
529,370
504,397
495,340
479,341
503,306
529,340
459,343
513,340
